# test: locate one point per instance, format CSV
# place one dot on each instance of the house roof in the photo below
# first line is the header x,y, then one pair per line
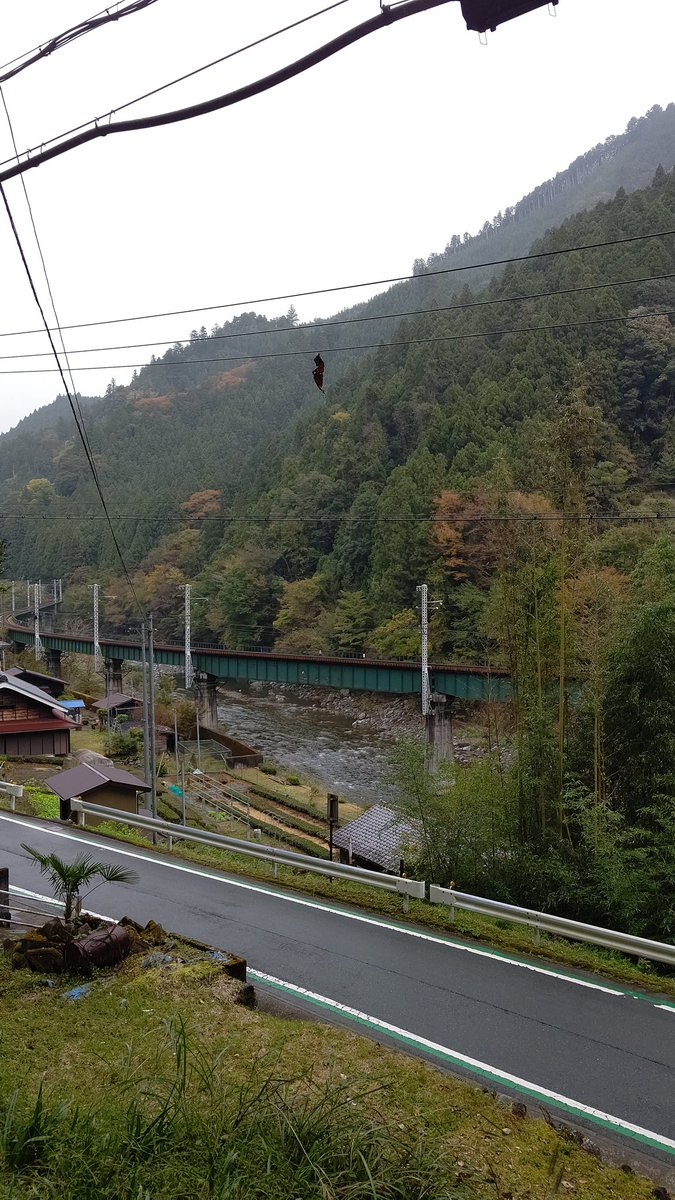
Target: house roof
x,y
83,779
44,725
116,700
13,683
38,677
378,835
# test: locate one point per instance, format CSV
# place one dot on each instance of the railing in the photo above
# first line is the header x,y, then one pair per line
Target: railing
x,y
303,862
112,633
610,939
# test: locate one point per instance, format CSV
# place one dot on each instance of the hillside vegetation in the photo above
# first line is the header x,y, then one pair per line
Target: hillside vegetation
x,y
514,449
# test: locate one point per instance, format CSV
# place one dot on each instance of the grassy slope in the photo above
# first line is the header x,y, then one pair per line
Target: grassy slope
x,y
119,1052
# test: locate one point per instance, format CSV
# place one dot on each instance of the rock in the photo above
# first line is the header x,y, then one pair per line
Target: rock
x,y
518,1109
45,958
56,931
153,933
245,995
29,940
131,924
18,960
157,959
661,1193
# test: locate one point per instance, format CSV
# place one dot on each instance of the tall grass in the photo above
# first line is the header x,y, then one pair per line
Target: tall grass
x,y
177,1126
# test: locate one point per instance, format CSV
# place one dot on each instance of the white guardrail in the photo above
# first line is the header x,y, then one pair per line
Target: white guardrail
x,y
290,858
610,939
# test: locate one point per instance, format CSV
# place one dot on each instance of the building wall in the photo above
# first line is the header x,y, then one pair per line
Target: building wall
x,y
14,707
30,745
112,796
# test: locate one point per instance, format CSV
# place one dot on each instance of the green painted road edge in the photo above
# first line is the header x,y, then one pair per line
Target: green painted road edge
x,y
448,1056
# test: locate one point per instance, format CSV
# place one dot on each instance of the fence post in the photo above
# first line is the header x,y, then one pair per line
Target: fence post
x,y
5,915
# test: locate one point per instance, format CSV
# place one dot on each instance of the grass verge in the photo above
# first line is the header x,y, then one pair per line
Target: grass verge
x,y
156,1084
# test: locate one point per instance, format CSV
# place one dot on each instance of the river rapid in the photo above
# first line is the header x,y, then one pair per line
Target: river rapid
x,y
327,747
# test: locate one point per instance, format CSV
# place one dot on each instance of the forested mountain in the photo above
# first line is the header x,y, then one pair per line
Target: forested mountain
x,y
513,447
221,427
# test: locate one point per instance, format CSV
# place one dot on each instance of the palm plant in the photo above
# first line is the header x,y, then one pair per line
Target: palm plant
x,y
68,879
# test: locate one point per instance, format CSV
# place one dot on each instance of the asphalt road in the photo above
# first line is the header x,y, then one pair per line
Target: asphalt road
x,y
577,1043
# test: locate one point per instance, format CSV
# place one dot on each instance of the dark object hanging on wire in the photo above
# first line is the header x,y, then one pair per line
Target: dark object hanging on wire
x,y
317,373
482,15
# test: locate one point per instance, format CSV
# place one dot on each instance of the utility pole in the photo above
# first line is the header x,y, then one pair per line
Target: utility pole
x,y
146,722
426,690
153,732
199,744
175,739
60,583
98,657
13,597
189,670
55,591
28,593
39,652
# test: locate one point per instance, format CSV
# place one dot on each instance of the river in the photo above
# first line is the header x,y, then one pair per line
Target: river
x,y
324,746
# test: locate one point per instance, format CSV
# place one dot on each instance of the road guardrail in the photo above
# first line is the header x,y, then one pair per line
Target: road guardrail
x,y
610,939
303,862
539,922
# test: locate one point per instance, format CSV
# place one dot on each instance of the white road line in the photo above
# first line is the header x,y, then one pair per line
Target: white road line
x,y
473,1064
19,891
479,952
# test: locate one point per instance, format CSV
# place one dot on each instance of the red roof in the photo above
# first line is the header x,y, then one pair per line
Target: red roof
x,y
39,726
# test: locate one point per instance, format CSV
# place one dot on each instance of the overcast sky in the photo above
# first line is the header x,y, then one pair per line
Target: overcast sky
x,y
347,173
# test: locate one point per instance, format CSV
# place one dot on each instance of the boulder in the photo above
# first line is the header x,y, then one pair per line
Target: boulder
x,y
45,959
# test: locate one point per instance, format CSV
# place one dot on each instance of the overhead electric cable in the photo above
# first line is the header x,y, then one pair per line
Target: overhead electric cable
x,y
189,75
345,287
76,400
386,16
421,341
321,325
70,35
83,438
318,518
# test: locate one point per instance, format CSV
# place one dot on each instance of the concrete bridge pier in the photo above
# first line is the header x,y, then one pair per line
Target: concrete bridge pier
x,y
53,663
113,675
207,700
439,731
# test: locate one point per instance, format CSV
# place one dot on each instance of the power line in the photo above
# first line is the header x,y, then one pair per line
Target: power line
x,y
321,325
182,78
386,16
345,518
345,287
69,35
83,438
404,342
76,400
